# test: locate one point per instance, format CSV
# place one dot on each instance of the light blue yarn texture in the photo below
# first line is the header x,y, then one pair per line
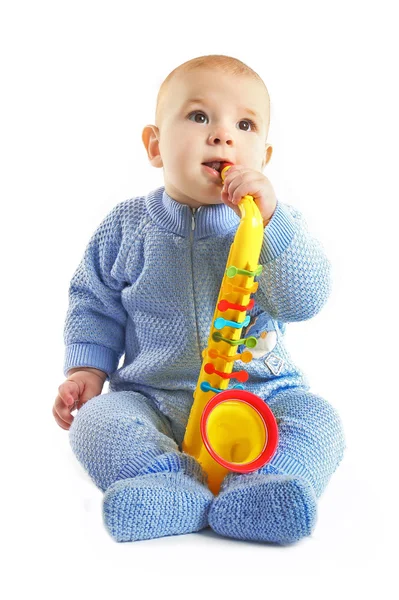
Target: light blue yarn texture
x,y
264,507
156,505
146,288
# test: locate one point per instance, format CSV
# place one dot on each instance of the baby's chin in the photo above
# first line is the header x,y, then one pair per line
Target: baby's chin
x,y
206,194
207,201
195,193
197,196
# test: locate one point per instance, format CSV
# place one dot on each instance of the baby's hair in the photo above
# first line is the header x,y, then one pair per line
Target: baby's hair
x,y
226,64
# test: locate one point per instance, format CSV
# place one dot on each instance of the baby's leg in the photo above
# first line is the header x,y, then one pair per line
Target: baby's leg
x,y
117,434
278,502
127,447
311,438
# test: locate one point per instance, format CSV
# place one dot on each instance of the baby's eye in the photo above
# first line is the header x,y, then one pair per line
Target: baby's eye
x,y
252,124
200,114
195,114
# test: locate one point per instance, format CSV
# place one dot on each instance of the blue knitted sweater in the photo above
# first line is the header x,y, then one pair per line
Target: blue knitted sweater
x,y
148,284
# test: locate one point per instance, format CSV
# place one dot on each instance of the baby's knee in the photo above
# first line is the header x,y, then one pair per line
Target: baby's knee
x,y
326,429
100,418
320,410
301,410
111,429
304,406
113,410
86,420
329,443
329,422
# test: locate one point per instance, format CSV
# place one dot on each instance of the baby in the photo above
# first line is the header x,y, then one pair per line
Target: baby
x,y
147,288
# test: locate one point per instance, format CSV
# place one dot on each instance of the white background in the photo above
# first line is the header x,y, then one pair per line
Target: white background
x,y
78,83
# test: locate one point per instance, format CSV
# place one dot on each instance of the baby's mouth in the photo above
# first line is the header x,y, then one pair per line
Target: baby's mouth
x,y
213,165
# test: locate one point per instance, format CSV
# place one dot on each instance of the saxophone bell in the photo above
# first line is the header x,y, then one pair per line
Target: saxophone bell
x,y
239,430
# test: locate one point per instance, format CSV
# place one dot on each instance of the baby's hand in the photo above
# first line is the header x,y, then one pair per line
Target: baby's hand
x,y
241,181
81,385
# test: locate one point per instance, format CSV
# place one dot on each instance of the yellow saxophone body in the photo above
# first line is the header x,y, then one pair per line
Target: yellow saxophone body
x,y
231,429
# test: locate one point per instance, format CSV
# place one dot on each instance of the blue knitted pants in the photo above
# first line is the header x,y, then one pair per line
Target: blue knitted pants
x,y
127,446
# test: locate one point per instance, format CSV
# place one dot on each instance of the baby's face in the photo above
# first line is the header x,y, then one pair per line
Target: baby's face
x,y
206,115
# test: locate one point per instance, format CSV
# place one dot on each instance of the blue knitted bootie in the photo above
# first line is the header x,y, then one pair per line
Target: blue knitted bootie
x,y
157,502
264,507
155,505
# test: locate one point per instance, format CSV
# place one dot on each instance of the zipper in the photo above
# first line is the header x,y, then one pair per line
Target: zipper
x,y
192,224
192,279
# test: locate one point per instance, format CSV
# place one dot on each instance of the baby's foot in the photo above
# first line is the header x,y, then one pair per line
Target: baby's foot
x,y
155,505
264,508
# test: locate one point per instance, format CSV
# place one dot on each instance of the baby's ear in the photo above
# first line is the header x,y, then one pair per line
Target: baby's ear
x,y
150,137
268,155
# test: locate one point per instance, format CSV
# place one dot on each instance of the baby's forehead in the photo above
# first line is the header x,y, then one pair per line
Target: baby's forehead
x,y
214,87
202,80
236,89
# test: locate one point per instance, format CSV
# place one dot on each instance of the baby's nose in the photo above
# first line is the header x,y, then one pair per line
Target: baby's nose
x,y
221,137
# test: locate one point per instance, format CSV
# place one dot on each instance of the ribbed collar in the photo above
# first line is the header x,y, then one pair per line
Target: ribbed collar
x,y
178,218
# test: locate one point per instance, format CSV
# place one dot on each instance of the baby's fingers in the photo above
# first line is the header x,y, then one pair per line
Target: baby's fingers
x,y
225,199
69,393
65,403
62,413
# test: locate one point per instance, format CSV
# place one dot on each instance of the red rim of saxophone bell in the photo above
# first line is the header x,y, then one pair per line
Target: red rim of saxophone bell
x,y
265,414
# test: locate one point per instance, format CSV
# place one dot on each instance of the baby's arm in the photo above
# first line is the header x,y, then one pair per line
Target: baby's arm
x,y
296,278
94,331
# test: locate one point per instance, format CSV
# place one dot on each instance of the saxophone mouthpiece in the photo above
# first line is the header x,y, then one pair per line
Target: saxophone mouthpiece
x,y
224,167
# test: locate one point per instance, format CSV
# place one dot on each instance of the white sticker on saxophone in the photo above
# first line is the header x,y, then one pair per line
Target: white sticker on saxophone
x,y
264,329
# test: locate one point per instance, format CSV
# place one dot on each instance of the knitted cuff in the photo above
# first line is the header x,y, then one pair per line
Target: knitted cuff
x,y
90,355
288,465
278,234
170,462
234,479
281,464
138,463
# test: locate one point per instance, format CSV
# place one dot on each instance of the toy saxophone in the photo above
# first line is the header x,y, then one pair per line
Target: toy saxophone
x,y
232,429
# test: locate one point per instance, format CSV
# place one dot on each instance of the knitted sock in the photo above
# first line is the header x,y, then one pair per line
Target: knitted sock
x,y
264,507
168,497
157,505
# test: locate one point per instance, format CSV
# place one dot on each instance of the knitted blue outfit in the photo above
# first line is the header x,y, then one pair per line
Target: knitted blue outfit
x,y
147,288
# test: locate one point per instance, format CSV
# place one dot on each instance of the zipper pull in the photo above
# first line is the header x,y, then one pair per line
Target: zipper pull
x,y
192,219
